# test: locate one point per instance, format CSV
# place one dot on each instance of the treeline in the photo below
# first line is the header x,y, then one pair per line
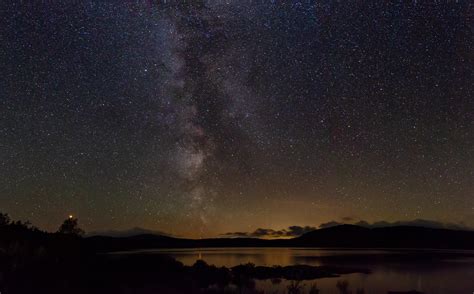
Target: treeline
x,y
25,248
70,226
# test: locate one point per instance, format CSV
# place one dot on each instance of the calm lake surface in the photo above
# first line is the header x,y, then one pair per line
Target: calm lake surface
x,y
428,271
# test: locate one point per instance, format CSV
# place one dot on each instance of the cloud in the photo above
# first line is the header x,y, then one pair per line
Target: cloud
x,y
236,234
298,231
422,223
127,233
347,218
329,224
295,231
292,231
362,223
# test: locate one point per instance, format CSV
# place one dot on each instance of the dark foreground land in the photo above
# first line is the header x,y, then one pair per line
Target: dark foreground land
x,y
151,274
32,261
36,262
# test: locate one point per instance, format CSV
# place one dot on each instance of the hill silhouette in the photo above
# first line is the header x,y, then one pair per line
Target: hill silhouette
x,y
342,236
388,237
126,233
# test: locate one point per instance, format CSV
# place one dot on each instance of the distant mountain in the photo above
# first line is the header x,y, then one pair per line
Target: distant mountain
x,y
127,233
343,236
387,237
416,223
148,241
419,222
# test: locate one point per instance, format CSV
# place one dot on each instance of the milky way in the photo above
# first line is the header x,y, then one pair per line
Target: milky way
x,y
229,116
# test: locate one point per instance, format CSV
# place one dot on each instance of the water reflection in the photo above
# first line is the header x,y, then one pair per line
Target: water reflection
x,y
428,271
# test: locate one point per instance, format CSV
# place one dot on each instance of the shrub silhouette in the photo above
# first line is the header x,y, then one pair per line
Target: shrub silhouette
x,y
4,219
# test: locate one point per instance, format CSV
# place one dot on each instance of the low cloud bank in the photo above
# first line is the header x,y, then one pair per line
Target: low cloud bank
x,y
292,231
417,223
295,231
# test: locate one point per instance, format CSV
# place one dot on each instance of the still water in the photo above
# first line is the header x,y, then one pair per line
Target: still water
x,y
427,271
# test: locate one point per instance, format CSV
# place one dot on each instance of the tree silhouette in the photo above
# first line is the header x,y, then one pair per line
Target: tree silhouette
x,y
4,219
70,226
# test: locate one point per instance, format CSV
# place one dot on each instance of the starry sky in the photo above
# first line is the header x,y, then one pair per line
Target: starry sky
x,y
210,117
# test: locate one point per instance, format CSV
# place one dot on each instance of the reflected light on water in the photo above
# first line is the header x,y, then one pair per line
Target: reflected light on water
x,y
393,270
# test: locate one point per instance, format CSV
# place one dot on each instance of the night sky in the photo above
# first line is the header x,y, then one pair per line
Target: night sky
x,y
227,116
